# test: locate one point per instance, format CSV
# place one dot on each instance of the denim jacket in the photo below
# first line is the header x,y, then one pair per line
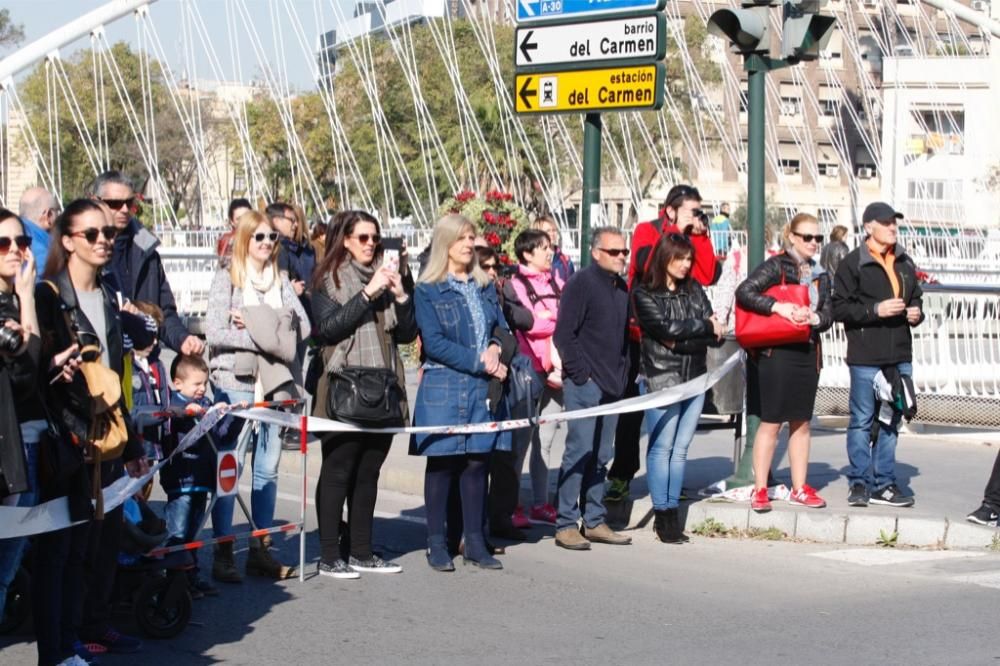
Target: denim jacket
x,y
454,385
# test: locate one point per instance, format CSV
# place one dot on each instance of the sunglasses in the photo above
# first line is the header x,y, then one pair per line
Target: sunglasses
x,y
679,238
488,267
364,238
91,234
261,237
615,252
6,242
810,237
116,204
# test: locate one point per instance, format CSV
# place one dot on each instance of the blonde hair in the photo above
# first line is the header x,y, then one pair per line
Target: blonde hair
x,y
302,228
793,225
246,226
448,230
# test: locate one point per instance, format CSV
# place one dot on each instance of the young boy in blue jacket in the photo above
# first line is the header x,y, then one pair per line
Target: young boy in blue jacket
x,y
190,475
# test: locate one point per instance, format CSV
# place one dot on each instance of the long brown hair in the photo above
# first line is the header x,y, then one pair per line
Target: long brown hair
x,y
340,227
669,248
57,258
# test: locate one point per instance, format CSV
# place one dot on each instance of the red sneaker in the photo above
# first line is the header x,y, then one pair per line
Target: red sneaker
x,y
544,513
806,496
519,520
759,501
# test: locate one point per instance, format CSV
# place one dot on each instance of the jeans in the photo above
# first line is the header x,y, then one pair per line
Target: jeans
x,y
671,429
184,515
266,456
872,466
11,550
589,447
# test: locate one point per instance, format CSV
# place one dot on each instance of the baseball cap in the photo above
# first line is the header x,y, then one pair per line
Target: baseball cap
x,y
879,210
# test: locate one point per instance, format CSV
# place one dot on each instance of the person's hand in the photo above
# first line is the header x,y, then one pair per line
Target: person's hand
x,y
220,405
379,283
501,372
913,314
891,307
404,264
788,311
193,345
194,409
802,315
299,287
396,287
24,281
491,359
236,317
698,227
129,307
718,330
137,468
69,362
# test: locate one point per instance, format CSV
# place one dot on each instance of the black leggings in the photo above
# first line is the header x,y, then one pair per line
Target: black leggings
x,y
351,466
469,471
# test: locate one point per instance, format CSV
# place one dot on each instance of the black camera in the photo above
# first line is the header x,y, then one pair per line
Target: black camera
x,y
10,340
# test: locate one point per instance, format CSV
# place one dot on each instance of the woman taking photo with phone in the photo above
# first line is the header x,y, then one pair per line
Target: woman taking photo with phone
x,y
677,328
457,310
787,376
251,292
362,312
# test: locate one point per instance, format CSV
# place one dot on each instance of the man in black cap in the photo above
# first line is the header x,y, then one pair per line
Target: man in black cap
x,y
877,296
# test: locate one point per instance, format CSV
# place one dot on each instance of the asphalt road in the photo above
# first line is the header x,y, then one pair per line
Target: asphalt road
x,y
710,601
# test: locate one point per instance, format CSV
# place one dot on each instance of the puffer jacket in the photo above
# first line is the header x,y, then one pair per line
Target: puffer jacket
x,y
536,341
750,294
679,317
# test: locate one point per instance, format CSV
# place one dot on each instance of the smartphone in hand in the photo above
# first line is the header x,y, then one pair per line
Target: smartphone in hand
x,y
391,249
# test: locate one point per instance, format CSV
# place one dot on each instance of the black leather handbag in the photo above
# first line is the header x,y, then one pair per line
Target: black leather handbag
x,y
366,397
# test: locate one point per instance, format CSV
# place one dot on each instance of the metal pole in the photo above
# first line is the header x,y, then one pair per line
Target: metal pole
x,y
756,66
591,180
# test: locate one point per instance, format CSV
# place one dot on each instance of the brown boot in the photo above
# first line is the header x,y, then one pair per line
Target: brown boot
x,y
224,564
260,562
571,539
604,534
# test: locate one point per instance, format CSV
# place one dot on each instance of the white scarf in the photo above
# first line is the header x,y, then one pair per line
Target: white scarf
x,y
262,288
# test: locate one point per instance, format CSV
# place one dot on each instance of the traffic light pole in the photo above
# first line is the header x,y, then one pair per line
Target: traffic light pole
x,y
591,180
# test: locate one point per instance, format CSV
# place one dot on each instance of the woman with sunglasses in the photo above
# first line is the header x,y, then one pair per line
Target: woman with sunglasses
x,y
77,311
677,328
363,311
787,376
251,284
457,310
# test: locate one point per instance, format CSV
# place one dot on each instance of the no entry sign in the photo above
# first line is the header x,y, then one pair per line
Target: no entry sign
x,y
226,477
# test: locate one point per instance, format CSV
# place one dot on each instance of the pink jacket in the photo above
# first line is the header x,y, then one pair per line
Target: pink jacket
x,y
536,343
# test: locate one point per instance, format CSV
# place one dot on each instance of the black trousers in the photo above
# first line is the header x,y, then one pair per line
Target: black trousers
x,y
992,494
101,565
629,429
505,486
57,590
351,466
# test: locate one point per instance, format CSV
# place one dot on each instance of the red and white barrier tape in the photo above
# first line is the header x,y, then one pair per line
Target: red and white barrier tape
x,y
290,528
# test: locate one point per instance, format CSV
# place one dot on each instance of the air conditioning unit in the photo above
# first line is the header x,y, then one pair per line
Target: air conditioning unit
x,y
790,170
743,167
981,5
825,54
832,170
869,3
789,110
866,172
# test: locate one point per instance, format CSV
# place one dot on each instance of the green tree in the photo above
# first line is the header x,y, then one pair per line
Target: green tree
x,y
11,34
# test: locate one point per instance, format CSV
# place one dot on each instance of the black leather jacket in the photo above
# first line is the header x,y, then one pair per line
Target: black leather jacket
x,y
750,294
682,318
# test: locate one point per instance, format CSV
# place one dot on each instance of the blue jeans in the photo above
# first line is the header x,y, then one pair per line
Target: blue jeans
x,y
671,429
589,447
11,550
873,467
184,515
266,456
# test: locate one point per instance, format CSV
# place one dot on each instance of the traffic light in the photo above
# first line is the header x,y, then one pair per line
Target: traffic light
x,y
746,29
804,31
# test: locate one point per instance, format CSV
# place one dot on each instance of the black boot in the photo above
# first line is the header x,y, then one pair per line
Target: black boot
x,y
660,522
676,529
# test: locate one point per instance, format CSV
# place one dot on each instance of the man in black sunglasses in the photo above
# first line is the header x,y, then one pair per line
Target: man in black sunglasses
x,y
135,270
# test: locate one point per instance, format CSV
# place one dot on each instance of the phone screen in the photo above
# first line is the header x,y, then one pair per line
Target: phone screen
x,y
390,258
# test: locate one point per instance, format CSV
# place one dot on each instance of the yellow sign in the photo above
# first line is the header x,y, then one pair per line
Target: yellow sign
x,y
609,89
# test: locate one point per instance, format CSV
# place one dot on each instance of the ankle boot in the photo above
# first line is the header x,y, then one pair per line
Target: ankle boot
x,y
437,554
260,562
676,529
224,564
660,522
478,554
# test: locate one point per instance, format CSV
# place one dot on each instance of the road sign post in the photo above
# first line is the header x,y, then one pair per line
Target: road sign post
x,y
591,181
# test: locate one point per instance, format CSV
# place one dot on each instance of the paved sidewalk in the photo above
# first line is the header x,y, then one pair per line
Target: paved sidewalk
x,y
946,472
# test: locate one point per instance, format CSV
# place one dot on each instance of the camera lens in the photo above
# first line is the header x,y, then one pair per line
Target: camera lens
x,y
10,340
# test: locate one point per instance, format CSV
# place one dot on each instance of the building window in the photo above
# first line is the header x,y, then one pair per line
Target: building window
x,y
828,169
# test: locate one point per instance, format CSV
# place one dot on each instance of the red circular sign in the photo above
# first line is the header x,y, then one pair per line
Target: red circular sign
x,y
227,473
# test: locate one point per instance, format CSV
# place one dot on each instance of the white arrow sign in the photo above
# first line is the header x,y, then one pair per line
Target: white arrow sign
x,y
642,38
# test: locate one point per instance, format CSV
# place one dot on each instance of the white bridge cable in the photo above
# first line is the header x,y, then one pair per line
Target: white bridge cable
x,y
60,76
28,134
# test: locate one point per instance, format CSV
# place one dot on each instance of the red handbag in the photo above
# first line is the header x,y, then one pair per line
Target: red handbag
x,y
754,331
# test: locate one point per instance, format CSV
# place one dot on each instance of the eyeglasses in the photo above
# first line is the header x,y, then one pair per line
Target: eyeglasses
x,y
810,237
364,238
116,204
615,251
22,243
261,237
91,234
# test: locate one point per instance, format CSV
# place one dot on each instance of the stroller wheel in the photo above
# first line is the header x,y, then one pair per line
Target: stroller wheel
x,y
163,606
18,605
